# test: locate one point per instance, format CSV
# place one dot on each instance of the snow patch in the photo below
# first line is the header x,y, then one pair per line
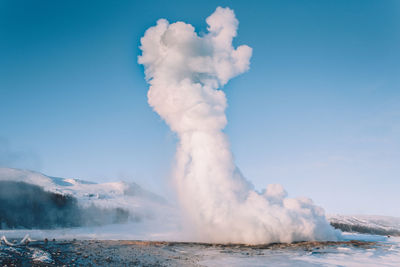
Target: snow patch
x,y
40,256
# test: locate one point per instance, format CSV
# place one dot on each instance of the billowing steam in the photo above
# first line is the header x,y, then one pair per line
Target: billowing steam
x,y
185,72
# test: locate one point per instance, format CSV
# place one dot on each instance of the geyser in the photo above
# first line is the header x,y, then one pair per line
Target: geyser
x,y
185,71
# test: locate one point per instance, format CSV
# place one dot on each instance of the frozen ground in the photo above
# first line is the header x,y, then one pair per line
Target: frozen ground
x,y
375,252
371,251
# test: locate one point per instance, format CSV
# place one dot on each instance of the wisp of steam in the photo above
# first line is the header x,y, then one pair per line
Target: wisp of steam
x,y
185,72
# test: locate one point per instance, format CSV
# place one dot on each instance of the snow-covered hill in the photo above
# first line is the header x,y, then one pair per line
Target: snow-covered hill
x,y
370,224
83,190
97,202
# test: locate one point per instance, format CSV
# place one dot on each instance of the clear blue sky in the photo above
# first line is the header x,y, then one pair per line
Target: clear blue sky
x,y
318,112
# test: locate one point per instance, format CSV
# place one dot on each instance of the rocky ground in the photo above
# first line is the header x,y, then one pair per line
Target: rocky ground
x,y
142,253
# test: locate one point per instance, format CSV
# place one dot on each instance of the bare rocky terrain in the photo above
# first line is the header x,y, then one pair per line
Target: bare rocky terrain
x,y
143,253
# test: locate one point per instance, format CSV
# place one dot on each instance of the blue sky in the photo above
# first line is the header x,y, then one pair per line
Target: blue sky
x,y
318,112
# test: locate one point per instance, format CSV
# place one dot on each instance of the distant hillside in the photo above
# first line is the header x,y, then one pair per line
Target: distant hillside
x,y
29,206
367,224
32,200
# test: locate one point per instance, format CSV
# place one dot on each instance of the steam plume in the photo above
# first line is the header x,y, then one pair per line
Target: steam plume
x,y
185,72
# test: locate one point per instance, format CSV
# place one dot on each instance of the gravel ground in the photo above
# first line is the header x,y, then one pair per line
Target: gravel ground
x,y
143,253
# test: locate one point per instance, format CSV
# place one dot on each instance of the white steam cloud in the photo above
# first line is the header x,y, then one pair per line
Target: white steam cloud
x,y
185,72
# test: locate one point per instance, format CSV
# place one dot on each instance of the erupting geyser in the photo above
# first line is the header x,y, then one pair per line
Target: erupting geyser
x,y
185,72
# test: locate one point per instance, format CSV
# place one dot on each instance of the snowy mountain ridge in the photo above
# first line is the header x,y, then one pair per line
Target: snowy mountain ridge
x,y
96,202
86,192
371,224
